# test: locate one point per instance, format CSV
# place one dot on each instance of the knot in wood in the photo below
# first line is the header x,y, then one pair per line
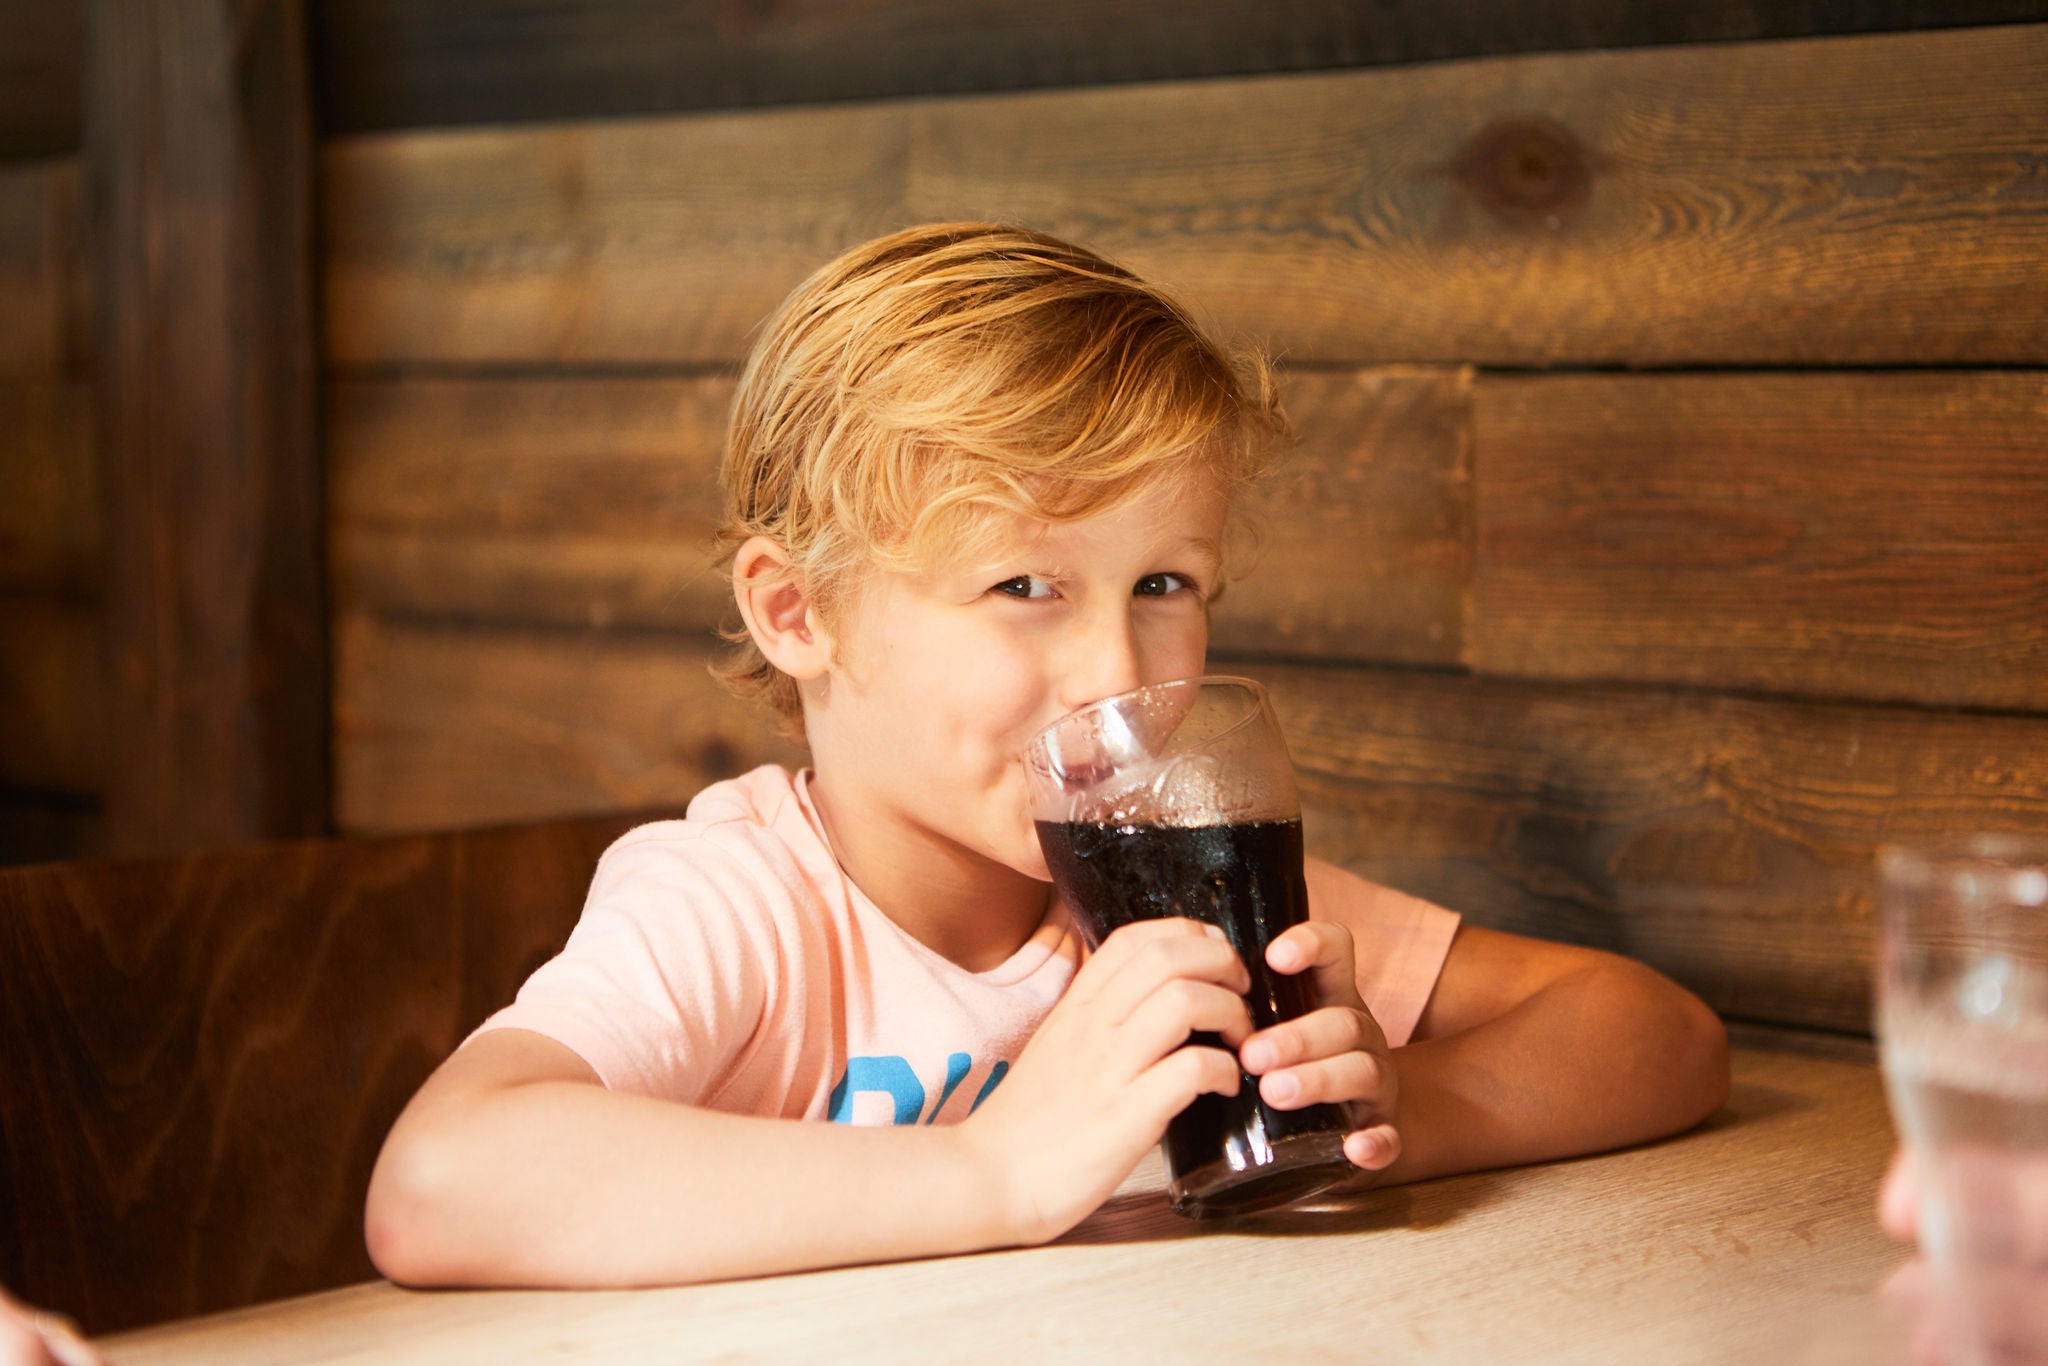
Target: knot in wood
x,y
1528,170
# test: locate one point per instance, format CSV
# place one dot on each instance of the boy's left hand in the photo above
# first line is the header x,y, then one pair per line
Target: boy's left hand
x,y
1335,1053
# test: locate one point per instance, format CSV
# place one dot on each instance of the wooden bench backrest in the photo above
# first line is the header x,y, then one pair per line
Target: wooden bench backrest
x,y
204,1054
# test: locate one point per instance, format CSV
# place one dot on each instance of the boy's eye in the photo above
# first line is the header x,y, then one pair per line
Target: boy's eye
x,y
1024,586
1159,585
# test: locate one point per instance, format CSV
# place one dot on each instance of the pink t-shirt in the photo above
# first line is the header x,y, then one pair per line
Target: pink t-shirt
x,y
724,960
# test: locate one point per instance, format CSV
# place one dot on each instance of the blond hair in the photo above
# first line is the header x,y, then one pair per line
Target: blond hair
x,y
920,385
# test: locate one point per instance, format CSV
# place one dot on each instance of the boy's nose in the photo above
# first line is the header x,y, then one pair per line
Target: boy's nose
x,y
1104,663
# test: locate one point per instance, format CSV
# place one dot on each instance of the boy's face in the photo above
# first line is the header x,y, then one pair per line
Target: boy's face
x,y
940,680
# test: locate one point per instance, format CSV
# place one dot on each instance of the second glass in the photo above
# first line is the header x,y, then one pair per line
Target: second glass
x,y
1179,800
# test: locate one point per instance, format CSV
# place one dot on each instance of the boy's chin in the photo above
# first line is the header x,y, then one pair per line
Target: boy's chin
x,y
1029,860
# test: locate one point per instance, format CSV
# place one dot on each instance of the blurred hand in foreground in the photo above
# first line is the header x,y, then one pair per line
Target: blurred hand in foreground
x,y
2001,1299
30,1337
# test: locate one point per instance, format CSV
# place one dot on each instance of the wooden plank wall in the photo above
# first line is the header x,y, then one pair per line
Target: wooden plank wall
x,y
1666,531
1704,379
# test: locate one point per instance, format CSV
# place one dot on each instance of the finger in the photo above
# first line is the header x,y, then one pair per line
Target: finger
x,y
19,1342
1177,1009
1325,950
1128,941
1358,1077
1319,1034
1374,1149
1154,963
1897,1198
1167,1087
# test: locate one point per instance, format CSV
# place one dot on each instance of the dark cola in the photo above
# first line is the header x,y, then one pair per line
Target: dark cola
x,y
1247,879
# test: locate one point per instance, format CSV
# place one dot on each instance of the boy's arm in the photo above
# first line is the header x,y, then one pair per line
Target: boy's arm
x,y
1531,1050
514,1166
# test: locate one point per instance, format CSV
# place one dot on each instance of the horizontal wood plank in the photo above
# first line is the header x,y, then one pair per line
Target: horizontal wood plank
x,y
1726,841
394,64
50,516
1364,529
438,727
212,1049
545,500
1847,200
1874,536
592,502
52,693
45,311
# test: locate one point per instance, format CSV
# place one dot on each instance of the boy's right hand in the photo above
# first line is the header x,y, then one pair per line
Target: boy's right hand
x,y
1099,1080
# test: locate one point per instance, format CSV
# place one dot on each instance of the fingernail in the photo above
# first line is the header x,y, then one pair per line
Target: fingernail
x,y
1214,931
1258,1057
1281,1089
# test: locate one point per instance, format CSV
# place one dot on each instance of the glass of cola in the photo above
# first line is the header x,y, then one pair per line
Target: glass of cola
x,y
1179,800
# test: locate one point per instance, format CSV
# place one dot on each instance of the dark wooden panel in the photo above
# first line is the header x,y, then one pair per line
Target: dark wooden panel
x,y
1726,841
45,313
439,725
50,516
199,155
42,77
43,827
52,694
393,64
1876,536
591,502
1853,200
209,1051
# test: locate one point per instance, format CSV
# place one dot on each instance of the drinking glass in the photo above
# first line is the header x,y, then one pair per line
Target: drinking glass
x,y
1178,800
1962,1019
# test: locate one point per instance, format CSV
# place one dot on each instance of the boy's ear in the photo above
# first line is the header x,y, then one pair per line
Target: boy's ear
x,y
779,613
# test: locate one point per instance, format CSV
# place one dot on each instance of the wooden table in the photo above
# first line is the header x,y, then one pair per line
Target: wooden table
x,y
1750,1240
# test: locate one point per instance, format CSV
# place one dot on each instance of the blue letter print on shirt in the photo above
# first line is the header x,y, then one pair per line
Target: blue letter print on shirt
x,y
894,1077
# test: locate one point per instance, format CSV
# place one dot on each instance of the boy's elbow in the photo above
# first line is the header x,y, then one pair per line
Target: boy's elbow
x,y
407,1211
1700,1056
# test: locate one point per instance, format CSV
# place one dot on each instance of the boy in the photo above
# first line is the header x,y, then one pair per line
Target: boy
x,y
976,478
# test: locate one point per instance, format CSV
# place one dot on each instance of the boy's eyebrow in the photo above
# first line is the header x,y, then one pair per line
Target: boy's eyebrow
x,y
1208,545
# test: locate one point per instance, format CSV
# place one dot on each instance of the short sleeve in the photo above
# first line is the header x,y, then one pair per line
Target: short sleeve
x,y
664,980
1401,942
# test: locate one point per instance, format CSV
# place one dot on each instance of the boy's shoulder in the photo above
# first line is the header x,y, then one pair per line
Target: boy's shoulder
x,y
741,841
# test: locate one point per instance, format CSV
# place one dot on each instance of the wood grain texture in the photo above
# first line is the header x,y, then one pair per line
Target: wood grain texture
x,y
389,64
1873,536
200,160
45,308
1725,841
440,726
52,694
1678,1252
42,77
541,500
212,1049
592,502
1365,527
1853,200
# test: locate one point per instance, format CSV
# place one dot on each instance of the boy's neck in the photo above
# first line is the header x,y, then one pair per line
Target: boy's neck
x,y
970,910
